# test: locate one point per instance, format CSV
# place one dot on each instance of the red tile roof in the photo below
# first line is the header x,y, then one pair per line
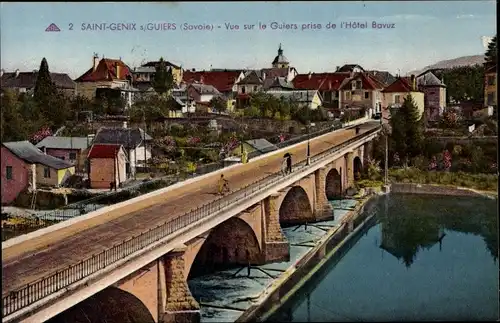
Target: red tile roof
x,y
321,81
106,71
401,84
104,151
221,80
368,82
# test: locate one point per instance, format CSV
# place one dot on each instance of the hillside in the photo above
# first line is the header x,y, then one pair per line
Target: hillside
x,y
455,62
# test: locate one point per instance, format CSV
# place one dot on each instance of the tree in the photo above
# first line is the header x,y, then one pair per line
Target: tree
x,y
464,83
407,130
44,87
491,52
218,104
163,80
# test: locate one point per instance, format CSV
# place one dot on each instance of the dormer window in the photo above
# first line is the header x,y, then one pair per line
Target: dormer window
x,y
353,85
242,89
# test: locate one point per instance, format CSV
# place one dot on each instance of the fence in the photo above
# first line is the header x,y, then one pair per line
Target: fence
x,y
33,292
45,219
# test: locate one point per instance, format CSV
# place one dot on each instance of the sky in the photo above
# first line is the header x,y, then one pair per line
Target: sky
x,y
419,33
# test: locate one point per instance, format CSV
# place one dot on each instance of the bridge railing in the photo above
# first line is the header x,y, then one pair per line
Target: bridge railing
x,y
14,301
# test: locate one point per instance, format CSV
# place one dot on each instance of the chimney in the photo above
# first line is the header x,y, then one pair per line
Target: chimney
x,y
95,61
118,70
413,82
337,68
124,124
309,75
263,75
35,71
330,85
201,79
1,72
17,72
193,70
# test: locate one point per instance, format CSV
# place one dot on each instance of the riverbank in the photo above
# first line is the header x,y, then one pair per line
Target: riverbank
x,y
437,189
241,295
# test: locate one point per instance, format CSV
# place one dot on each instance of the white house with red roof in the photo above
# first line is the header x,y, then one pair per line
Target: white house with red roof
x,y
106,73
361,91
107,165
395,94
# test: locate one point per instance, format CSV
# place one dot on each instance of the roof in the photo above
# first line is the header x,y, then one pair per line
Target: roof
x,y
274,72
321,81
80,143
300,96
368,82
30,154
155,63
277,82
104,151
129,138
399,85
28,80
144,69
222,81
106,71
204,88
261,145
349,68
251,78
429,79
382,76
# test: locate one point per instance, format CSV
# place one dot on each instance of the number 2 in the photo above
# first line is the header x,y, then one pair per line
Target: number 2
x,y
70,26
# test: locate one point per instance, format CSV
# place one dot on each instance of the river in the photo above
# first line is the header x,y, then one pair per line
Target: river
x,y
423,258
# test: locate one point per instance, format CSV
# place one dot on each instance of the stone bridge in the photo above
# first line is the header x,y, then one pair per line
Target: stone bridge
x,y
254,237
153,282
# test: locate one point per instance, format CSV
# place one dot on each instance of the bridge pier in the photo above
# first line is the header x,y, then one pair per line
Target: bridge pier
x,y
275,246
176,303
322,208
350,169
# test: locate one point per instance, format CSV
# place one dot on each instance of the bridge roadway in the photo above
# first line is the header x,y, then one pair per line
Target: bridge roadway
x,y
33,259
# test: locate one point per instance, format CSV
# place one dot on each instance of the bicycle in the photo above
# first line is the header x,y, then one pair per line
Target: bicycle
x,y
224,188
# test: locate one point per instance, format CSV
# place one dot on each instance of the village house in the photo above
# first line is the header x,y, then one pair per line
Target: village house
x,y
107,166
361,92
201,94
25,167
490,84
328,84
395,94
224,81
107,75
144,75
135,141
434,95
384,77
24,82
72,149
303,98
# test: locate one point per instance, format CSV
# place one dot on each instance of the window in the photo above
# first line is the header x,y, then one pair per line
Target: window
x,y
348,95
396,99
46,172
8,172
255,88
359,85
353,86
72,156
367,95
242,89
491,80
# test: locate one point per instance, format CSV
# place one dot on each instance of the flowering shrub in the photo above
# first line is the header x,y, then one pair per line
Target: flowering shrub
x,y
193,141
41,134
433,163
446,160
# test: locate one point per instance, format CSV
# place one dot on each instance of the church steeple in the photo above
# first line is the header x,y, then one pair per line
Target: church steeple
x,y
280,61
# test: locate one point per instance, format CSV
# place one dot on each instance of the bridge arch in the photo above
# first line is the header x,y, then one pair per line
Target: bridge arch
x,y
111,305
231,243
296,207
333,184
357,167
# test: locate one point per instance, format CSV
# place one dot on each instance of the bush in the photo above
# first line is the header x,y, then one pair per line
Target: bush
x,y
486,182
368,183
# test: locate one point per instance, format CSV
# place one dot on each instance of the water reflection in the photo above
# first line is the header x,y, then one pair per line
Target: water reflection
x,y
411,223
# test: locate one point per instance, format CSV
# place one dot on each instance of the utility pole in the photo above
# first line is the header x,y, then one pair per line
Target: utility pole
x,y
308,162
386,164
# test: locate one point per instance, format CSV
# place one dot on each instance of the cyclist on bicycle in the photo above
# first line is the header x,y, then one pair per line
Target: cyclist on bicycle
x,y
222,185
